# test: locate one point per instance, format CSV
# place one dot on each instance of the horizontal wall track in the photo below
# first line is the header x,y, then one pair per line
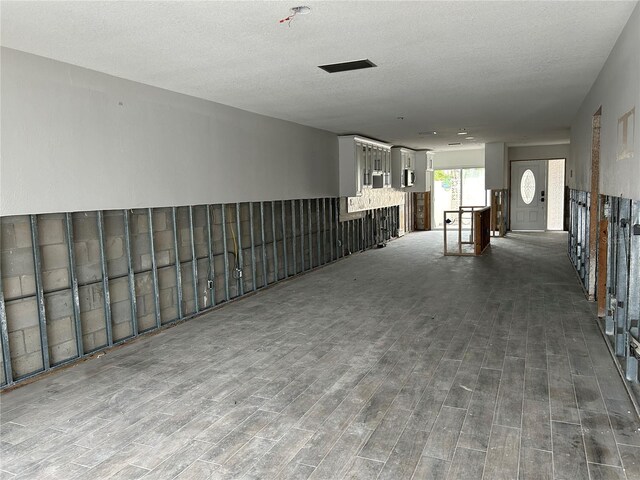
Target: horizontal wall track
x,y
73,284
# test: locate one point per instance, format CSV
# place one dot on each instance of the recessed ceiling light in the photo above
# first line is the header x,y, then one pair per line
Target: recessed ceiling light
x,y
462,133
469,138
427,133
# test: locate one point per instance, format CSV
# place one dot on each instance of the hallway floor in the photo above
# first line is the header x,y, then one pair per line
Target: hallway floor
x,y
395,363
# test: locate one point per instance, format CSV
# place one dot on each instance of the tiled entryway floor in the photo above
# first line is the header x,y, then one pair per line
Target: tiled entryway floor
x,y
395,363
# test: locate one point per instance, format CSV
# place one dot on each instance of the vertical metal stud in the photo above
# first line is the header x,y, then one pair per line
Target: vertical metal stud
x,y
73,279
324,231
106,297
301,235
194,261
309,224
130,274
336,212
284,239
293,235
42,315
4,338
178,265
211,276
275,241
331,241
226,252
253,248
318,252
240,259
154,270
264,246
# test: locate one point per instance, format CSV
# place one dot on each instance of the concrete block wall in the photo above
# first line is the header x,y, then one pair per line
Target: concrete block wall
x,y
18,282
86,248
141,262
317,235
117,270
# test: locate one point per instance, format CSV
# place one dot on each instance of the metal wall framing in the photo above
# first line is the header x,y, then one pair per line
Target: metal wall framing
x,y
578,241
304,234
622,317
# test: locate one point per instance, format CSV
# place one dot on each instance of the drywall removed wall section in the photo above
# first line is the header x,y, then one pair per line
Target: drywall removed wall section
x,y
74,139
617,91
74,284
458,159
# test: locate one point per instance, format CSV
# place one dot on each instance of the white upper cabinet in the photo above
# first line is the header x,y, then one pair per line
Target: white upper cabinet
x,y
403,163
422,172
364,163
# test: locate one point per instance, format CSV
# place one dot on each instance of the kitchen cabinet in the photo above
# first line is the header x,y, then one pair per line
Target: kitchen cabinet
x,y
363,164
403,161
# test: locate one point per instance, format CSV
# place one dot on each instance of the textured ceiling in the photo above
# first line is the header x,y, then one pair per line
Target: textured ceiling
x,y
506,71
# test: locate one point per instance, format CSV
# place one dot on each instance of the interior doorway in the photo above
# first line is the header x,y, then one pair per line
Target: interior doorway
x,y
537,195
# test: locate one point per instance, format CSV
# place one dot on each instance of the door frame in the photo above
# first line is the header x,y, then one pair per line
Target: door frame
x,y
546,186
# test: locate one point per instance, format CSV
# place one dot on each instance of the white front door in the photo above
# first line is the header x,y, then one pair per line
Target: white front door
x,y
528,200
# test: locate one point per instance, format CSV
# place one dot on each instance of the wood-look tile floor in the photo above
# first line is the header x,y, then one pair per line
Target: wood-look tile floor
x,y
395,363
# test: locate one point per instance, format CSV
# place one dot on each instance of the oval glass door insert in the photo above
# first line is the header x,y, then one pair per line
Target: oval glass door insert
x,y
528,186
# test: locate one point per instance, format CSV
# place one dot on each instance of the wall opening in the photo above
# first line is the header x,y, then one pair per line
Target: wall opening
x,y
453,188
555,194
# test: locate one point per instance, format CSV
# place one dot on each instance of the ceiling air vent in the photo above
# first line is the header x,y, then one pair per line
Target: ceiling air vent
x,y
346,66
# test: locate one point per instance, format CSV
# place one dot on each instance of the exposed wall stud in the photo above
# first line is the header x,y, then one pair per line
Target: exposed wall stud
x,y
284,239
106,297
253,248
211,275
301,236
42,315
264,246
130,273
4,338
324,231
275,243
73,280
310,225
336,219
178,266
226,252
154,269
240,259
194,261
293,235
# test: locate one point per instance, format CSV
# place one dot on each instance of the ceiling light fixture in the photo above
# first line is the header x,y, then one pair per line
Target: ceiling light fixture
x,y
301,10
427,133
463,132
469,138
454,144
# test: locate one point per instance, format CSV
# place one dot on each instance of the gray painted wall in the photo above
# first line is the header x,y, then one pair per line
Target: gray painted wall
x,y
75,139
617,90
